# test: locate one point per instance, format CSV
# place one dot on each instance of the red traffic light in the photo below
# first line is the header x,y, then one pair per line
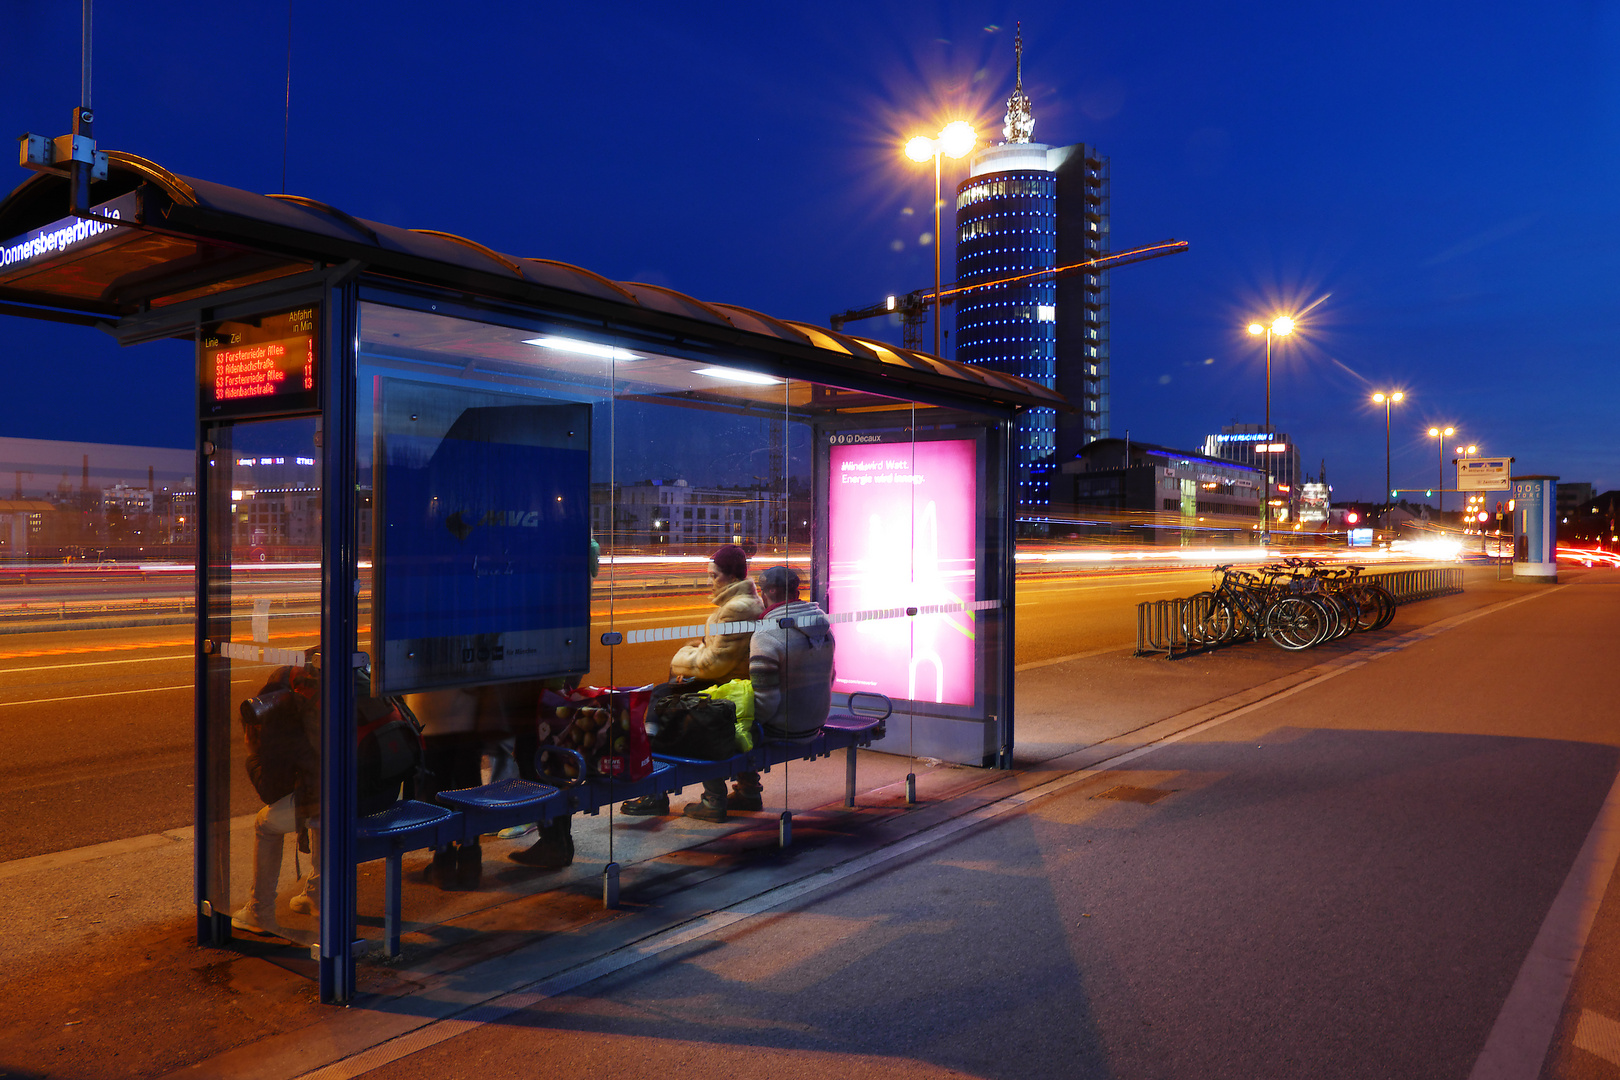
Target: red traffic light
x,y
1352,517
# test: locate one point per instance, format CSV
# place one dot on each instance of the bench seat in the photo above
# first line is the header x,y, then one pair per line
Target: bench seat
x,y
406,826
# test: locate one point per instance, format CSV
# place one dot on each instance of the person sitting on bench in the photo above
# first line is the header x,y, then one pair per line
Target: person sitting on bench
x,y
716,657
791,667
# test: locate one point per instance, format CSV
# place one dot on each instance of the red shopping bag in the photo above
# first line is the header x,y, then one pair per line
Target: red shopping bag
x,y
607,727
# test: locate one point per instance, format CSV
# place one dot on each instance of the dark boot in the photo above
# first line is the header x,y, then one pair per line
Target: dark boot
x,y
646,806
553,851
443,867
469,866
746,795
711,807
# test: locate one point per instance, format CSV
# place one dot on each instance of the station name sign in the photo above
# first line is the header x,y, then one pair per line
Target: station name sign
x,y
264,366
69,236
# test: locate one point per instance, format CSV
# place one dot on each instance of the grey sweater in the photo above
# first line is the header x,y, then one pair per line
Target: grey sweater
x,y
791,668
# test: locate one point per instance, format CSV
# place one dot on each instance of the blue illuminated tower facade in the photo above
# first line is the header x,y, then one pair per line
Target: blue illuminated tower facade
x,y
1027,207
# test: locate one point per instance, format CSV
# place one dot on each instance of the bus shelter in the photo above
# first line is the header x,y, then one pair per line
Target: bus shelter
x,y
447,467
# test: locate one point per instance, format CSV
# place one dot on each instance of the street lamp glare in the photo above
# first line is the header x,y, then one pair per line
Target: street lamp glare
x,y
1256,328
1473,449
1283,325
1450,431
957,139
920,149
1378,399
1435,432
1397,396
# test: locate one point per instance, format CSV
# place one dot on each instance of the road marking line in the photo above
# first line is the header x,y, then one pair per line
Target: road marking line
x,y
500,1005
1529,1018
1597,1034
1033,664
109,693
93,663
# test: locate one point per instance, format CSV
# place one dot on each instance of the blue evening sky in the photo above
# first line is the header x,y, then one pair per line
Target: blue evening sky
x,y
1439,176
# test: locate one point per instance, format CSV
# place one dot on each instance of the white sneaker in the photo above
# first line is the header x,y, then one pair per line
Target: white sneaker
x,y
247,919
305,904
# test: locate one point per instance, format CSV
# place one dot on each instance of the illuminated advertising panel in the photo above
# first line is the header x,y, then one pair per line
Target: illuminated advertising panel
x,y
264,366
1313,502
902,533
483,544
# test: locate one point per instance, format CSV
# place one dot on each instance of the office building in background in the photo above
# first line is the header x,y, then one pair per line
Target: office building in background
x,y
1026,207
1257,447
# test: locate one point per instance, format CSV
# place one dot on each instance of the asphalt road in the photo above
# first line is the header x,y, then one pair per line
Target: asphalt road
x,y
98,723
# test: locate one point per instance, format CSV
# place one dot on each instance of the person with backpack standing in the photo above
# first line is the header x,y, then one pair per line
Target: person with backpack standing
x,y
282,729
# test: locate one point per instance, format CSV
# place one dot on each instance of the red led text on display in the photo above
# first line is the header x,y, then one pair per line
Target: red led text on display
x,y
264,365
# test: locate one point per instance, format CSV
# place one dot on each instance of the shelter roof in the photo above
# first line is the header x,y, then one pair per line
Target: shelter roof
x,y
191,239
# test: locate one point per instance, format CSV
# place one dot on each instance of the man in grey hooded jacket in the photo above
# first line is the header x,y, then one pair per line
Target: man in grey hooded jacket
x,y
790,663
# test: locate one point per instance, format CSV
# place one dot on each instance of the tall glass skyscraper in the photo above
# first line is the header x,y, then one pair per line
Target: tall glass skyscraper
x,y
1026,207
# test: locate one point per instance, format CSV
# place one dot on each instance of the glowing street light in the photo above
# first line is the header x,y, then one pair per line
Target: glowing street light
x,y
1381,398
1440,435
1281,326
955,140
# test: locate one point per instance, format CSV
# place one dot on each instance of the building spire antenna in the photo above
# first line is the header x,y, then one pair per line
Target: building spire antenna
x,y
1020,123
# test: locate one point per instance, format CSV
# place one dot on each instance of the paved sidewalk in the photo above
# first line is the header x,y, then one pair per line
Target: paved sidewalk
x,y
105,982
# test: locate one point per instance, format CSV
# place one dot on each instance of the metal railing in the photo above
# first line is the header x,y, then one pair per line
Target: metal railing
x,y
1409,585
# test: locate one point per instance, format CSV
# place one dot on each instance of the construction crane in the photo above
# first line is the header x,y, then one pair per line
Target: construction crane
x,y
913,307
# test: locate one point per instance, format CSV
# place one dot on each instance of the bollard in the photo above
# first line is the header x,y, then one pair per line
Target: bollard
x,y
911,789
610,886
784,832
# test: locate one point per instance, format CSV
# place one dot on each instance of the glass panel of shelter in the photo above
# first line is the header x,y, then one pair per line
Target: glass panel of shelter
x,y
697,500
876,503
261,815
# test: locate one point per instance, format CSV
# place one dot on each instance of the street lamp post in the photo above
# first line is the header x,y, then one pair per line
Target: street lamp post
x,y
955,140
1281,326
1440,435
1386,400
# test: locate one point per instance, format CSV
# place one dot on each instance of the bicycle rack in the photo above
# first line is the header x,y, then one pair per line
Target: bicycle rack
x,y
1163,627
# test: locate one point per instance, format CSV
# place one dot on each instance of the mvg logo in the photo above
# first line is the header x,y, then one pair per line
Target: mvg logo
x,y
462,523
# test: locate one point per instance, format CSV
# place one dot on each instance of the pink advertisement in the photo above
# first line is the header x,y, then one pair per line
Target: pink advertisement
x,y
902,523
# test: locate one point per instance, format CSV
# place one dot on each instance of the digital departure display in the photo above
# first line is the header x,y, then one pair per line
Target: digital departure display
x,y
259,366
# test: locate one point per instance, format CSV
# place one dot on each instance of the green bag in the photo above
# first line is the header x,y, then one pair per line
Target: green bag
x,y
740,692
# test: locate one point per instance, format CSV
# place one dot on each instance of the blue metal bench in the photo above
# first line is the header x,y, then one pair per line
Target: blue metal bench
x,y
856,726
405,826
468,813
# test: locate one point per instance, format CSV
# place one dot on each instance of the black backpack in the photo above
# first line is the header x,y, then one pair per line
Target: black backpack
x,y
388,754
388,740
278,752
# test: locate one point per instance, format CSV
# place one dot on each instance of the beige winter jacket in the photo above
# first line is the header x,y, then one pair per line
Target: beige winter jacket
x,y
722,657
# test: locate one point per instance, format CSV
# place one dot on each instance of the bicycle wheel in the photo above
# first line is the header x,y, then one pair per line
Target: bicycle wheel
x,y
1366,605
1295,623
1386,604
1195,618
1342,611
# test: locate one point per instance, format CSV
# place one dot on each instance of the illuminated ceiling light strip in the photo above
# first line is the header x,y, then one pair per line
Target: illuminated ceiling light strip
x,y
735,375
584,348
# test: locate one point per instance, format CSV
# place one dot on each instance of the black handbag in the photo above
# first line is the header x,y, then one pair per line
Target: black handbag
x,y
693,726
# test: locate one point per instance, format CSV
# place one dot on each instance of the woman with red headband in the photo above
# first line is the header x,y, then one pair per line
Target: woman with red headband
x,y
722,657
